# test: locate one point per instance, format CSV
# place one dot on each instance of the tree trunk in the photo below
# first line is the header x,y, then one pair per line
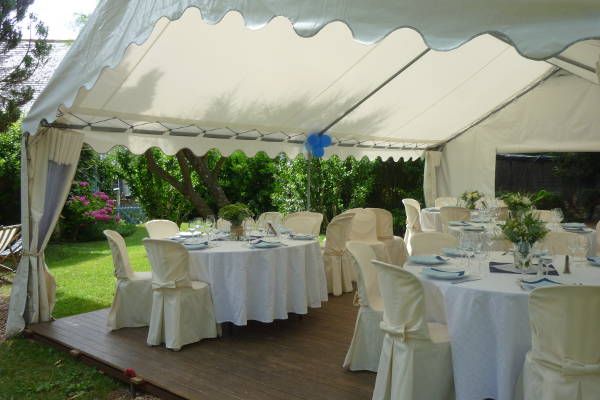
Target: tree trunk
x,y
209,178
185,186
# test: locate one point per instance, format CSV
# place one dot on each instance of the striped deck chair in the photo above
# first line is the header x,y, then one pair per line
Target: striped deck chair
x,y
11,247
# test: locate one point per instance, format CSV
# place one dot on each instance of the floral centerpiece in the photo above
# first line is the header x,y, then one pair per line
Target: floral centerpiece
x,y
518,204
470,198
236,214
523,229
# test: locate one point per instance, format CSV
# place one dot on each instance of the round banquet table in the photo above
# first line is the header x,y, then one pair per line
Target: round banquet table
x,y
261,284
430,219
488,323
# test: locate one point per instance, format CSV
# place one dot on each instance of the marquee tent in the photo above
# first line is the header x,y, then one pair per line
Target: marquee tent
x,y
384,78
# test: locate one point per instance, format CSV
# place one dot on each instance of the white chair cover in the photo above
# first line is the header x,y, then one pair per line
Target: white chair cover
x,y
161,228
304,222
364,229
564,360
365,348
223,225
448,214
432,242
394,245
338,267
598,238
502,213
557,243
416,361
132,303
273,217
446,202
182,309
544,215
413,220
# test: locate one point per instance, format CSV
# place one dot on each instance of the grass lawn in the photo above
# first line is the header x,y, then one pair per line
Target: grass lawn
x,y
85,282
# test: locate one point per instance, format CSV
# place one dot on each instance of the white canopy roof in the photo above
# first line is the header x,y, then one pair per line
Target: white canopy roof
x,y
200,78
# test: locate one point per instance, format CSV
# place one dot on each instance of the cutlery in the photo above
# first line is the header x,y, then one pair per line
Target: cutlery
x,y
466,280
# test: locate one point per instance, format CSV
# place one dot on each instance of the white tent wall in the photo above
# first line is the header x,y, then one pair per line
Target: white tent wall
x,y
559,115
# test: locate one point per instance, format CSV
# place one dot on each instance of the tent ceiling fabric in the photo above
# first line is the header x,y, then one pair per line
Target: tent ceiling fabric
x,y
195,79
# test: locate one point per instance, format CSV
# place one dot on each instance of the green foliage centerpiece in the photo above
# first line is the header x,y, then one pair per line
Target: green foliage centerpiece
x,y
470,198
523,228
236,214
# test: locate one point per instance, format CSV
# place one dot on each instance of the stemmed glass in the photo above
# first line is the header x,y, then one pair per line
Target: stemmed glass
x,y
192,226
198,225
209,225
559,216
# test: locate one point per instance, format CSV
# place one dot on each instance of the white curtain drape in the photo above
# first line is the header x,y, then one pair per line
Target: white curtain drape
x,y
48,164
432,162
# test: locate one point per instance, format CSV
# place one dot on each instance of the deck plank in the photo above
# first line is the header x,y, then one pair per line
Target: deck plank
x,y
296,359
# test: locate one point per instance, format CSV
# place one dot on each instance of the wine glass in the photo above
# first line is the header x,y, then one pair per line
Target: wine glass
x,y
209,223
560,216
198,224
192,226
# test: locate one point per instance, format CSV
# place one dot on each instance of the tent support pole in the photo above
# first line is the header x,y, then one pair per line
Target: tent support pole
x,y
377,89
308,179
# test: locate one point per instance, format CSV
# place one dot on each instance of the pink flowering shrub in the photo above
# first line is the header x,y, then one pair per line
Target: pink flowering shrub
x,y
86,214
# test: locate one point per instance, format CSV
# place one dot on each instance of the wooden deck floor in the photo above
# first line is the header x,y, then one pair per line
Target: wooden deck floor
x,y
292,359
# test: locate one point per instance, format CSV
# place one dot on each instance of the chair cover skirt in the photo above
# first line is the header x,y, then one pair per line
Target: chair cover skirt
x,y
181,316
406,369
365,348
132,303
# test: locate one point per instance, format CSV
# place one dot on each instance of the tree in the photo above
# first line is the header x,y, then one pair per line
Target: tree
x,y
10,167
16,69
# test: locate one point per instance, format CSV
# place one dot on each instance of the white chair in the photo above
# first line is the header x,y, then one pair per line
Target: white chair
x,y
364,229
223,225
338,267
432,242
448,214
598,238
416,362
132,303
182,309
365,348
394,245
413,220
304,222
446,202
273,217
544,215
161,228
557,243
564,360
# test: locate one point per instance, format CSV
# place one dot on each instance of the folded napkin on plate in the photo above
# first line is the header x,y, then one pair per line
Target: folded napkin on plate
x,y
445,271
301,236
454,252
459,223
595,260
264,243
509,268
530,284
427,259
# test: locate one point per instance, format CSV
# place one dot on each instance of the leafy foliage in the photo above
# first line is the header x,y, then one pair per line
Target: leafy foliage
x,y
525,228
16,70
235,213
517,203
470,198
10,175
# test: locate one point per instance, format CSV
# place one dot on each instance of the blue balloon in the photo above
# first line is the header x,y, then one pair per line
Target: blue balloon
x,y
316,144
318,152
325,140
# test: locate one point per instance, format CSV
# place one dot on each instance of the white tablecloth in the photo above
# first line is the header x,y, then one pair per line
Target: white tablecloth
x,y
261,284
430,220
489,327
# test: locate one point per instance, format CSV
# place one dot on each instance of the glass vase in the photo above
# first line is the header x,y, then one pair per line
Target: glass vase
x,y
522,256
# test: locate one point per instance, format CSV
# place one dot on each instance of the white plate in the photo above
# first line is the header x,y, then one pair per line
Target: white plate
x,y
196,246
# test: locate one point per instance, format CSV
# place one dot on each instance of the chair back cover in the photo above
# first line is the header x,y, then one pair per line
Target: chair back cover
x,y
304,222
364,226
161,228
446,202
368,286
413,216
565,329
448,214
544,215
273,217
557,243
384,221
432,242
170,264
403,302
223,225
118,248
337,234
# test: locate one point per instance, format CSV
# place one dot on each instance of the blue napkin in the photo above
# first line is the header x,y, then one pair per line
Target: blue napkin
x,y
427,260
458,223
537,283
494,268
594,260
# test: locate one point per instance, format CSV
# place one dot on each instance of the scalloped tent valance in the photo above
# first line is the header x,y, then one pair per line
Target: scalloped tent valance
x,y
233,72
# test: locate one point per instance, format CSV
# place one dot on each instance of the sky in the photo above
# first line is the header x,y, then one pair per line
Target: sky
x,y
59,15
